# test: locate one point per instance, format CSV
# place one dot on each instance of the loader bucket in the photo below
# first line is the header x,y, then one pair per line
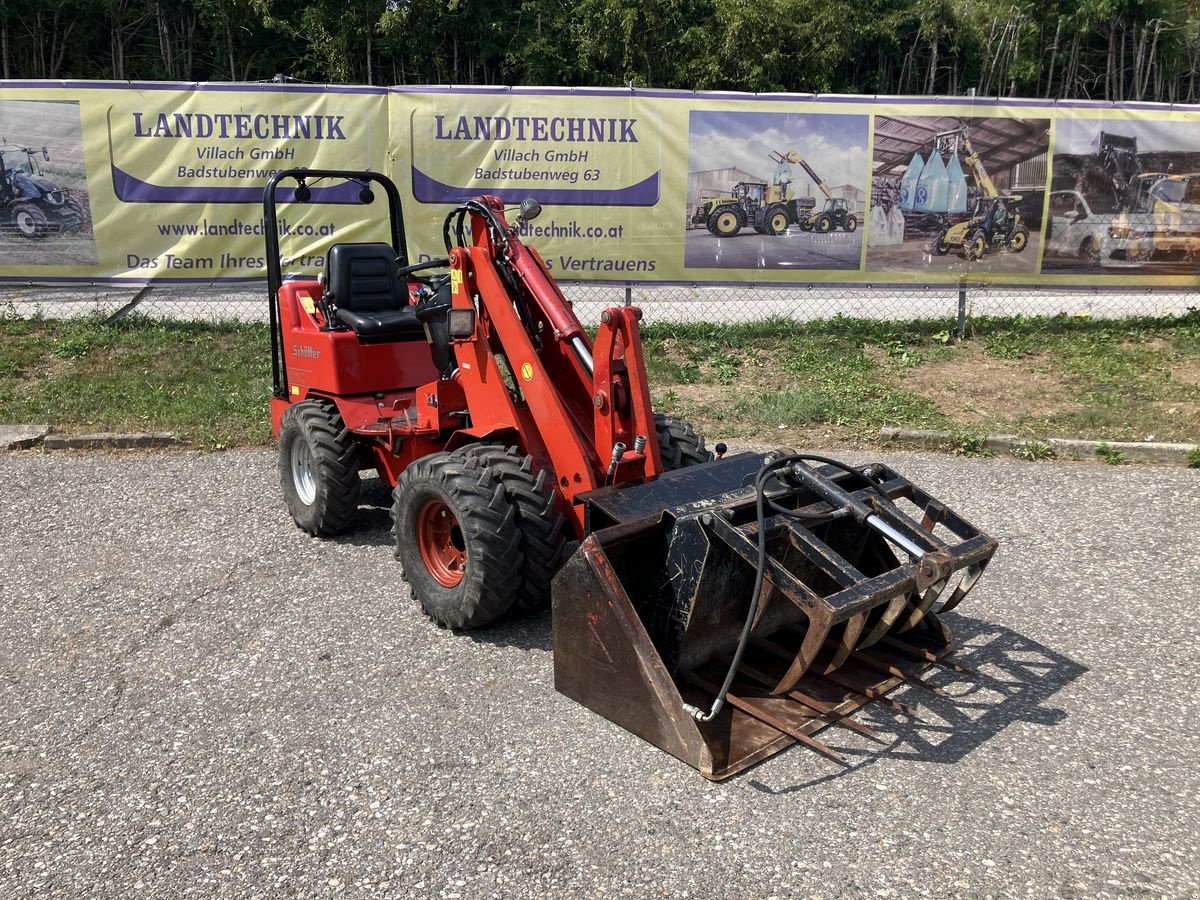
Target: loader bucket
x,y
649,611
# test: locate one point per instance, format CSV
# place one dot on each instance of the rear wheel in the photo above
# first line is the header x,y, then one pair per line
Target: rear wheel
x,y
940,245
824,223
318,468
541,525
678,443
1090,250
777,222
455,536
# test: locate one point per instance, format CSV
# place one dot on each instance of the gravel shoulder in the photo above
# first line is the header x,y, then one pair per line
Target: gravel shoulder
x,y
197,700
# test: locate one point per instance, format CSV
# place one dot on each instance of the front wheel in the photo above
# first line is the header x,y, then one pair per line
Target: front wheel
x,y
724,223
940,245
851,223
542,528
824,223
318,468
679,445
457,538
30,221
976,245
1019,240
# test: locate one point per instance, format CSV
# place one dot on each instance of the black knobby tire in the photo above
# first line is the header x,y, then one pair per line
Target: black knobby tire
x,y
487,535
326,502
678,443
29,221
541,524
824,223
851,223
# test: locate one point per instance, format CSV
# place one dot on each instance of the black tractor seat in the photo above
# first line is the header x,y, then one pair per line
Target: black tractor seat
x,y
369,298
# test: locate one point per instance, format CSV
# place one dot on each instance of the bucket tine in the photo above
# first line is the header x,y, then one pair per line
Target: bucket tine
x,y
872,694
825,709
756,711
926,656
881,665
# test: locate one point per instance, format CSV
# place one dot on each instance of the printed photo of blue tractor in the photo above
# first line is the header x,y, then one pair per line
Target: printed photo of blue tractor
x,y
32,205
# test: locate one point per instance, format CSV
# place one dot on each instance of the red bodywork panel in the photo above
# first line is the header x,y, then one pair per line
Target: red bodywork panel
x,y
388,393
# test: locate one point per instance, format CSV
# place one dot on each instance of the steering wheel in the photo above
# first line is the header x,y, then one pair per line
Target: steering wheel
x,y
405,271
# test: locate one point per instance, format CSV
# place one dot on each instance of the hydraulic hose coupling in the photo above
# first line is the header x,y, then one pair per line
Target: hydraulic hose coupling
x,y
639,443
700,715
618,451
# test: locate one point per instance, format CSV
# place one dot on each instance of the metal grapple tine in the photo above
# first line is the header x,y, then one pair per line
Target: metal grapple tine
x,y
854,627
886,621
871,693
814,640
920,609
963,588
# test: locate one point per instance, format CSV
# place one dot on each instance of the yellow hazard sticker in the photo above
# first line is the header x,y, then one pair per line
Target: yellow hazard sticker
x,y
306,301
295,390
455,280
527,371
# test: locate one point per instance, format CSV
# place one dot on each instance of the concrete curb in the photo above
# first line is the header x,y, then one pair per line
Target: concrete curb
x,y
107,441
1062,448
22,437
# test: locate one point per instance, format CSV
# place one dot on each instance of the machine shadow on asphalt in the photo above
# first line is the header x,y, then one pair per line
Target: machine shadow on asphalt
x,y
1010,678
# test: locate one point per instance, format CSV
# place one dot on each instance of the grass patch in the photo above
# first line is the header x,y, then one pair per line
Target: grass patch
x,y
209,383
812,383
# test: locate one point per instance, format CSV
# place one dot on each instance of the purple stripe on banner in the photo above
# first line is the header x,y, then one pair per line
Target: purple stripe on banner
x,y
133,190
644,193
220,86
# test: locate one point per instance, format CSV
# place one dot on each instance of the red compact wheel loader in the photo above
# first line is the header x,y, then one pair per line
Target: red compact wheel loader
x,y
722,609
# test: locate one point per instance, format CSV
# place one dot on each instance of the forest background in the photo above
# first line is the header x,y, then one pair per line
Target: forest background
x,y
1092,49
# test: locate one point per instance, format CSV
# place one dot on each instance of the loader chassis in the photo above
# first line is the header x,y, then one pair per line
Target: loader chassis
x,y
721,609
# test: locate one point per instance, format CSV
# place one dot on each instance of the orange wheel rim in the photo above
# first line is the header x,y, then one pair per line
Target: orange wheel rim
x,y
440,540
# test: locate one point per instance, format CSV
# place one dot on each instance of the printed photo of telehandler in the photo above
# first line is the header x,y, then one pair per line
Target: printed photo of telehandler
x,y
1125,198
775,190
45,216
954,195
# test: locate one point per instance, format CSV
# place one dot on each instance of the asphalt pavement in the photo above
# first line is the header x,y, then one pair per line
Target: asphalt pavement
x,y
197,700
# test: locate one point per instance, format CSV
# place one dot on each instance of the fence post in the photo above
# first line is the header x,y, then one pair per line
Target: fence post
x,y
962,312
628,295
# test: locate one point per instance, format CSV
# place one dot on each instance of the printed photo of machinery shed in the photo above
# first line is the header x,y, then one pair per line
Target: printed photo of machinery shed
x,y
951,194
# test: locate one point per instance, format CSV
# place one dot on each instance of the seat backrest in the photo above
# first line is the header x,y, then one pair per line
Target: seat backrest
x,y
362,277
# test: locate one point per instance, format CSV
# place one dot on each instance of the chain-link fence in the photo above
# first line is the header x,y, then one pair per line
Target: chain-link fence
x,y
676,304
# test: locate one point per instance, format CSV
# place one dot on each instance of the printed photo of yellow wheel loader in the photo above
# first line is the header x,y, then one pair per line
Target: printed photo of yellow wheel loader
x,y
775,190
957,194
1125,198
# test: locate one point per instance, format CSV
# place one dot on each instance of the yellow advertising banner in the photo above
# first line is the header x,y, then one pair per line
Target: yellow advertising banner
x,y
165,182
112,183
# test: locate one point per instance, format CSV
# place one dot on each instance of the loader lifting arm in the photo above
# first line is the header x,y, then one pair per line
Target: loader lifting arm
x,y
796,159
